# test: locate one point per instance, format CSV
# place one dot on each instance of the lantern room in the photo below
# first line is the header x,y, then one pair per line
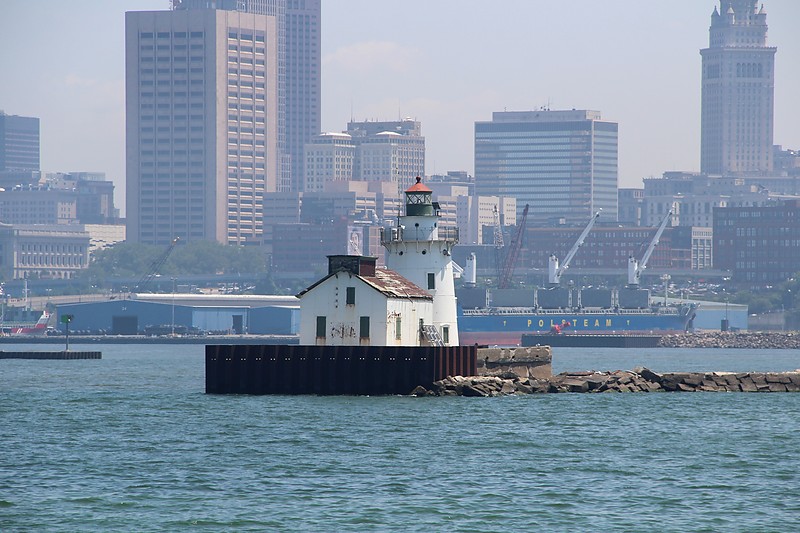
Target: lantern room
x,y
419,200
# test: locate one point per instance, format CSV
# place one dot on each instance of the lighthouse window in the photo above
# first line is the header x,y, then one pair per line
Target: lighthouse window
x,y
364,327
321,326
431,280
446,334
398,328
351,296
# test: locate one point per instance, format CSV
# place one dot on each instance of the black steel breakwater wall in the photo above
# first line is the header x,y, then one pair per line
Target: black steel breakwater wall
x,y
51,355
332,370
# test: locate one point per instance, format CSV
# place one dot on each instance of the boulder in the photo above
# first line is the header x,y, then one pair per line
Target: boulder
x,y
778,378
596,381
653,387
649,375
576,385
747,385
473,391
508,388
625,378
693,380
523,388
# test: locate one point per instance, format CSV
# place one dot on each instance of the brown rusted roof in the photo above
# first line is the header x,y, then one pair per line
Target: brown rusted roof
x,y
388,282
393,284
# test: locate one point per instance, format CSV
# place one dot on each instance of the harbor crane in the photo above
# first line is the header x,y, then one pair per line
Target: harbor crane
x,y
554,270
636,267
155,266
513,252
498,243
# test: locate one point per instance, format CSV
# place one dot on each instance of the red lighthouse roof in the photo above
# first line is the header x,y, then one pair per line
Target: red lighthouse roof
x,y
418,187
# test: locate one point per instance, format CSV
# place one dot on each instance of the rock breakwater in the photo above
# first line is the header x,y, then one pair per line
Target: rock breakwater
x,y
727,339
638,380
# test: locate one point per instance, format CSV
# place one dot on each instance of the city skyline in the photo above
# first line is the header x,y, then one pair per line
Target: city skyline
x,y
439,74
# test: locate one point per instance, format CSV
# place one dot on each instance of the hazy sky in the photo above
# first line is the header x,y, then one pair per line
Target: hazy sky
x,y
447,63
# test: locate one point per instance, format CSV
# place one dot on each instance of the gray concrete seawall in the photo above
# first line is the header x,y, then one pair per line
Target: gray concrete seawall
x,y
638,380
529,362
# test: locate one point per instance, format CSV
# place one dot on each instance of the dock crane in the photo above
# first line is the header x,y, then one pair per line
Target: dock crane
x,y
554,270
635,268
513,253
155,266
498,243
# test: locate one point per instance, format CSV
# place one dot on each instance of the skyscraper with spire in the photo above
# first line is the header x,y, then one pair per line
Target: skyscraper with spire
x,y
737,91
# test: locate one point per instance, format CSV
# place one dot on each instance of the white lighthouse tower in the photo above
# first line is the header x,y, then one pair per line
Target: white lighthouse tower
x,y
421,253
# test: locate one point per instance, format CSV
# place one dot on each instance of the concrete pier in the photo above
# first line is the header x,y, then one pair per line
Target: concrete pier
x,y
51,355
533,362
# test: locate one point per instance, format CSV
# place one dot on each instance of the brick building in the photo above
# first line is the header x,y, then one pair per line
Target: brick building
x,y
759,245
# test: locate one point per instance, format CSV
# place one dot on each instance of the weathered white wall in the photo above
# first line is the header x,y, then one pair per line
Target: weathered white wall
x,y
343,321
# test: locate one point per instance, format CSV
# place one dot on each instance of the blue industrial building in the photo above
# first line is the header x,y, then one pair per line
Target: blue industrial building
x,y
711,314
134,317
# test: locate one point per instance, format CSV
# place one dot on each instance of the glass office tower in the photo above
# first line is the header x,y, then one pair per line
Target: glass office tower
x,y
563,164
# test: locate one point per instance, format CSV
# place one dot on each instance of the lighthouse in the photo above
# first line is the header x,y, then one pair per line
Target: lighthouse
x,y
420,251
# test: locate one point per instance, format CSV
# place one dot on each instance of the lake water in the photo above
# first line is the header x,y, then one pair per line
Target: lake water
x,y
131,442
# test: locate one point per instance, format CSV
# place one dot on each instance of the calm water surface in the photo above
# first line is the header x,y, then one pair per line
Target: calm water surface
x,y
131,442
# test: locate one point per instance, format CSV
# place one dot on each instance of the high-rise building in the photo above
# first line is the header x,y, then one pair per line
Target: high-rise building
x,y
563,164
758,244
19,143
95,195
389,152
694,198
631,201
303,80
474,213
38,205
738,91
202,124
392,151
329,157
299,29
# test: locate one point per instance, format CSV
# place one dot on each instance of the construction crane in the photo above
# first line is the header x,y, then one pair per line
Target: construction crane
x,y
498,243
155,266
554,270
635,268
513,252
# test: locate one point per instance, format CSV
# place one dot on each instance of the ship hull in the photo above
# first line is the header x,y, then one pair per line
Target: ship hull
x,y
508,328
